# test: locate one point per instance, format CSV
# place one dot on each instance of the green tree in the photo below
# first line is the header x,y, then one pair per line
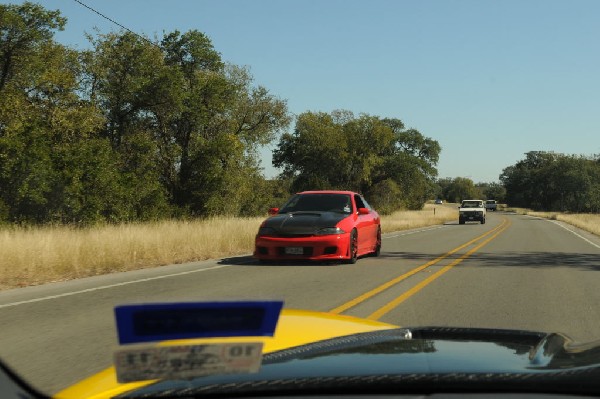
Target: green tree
x,y
495,191
194,122
129,130
441,186
127,80
315,155
551,181
364,153
211,141
26,32
368,139
386,196
24,29
461,188
43,122
411,161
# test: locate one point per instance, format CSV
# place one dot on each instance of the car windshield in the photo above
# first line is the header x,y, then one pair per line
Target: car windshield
x,y
318,203
330,155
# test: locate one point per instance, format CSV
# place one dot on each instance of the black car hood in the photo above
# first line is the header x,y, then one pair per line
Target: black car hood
x,y
295,223
436,359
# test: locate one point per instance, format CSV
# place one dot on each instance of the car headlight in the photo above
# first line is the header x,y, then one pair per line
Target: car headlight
x,y
329,231
266,231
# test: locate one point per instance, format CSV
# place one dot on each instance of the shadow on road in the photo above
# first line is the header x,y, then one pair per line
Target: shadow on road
x,y
250,261
455,223
540,259
582,261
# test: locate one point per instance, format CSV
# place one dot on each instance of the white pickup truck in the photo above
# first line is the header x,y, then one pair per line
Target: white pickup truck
x,y
471,211
491,205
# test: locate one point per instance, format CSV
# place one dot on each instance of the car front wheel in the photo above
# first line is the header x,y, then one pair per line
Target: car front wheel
x,y
353,247
377,251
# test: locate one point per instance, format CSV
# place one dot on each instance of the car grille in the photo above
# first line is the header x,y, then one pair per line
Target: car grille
x,y
291,235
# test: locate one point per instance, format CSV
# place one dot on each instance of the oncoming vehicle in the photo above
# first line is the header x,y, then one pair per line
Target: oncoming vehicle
x,y
439,201
471,211
320,225
491,205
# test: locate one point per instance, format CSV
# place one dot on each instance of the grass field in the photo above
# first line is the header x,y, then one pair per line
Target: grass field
x,y
32,256
405,220
587,222
38,255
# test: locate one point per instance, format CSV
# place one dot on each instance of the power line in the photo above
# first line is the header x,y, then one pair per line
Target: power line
x,y
116,23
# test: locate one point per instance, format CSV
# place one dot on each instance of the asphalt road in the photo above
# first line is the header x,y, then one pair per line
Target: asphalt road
x,y
513,272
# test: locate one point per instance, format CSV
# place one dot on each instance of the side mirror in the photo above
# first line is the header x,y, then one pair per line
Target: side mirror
x,y
363,211
273,211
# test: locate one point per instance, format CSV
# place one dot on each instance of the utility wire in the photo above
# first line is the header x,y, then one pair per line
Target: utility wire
x,y
116,23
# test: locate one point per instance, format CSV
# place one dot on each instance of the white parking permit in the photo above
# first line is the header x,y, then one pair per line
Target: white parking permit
x,y
186,361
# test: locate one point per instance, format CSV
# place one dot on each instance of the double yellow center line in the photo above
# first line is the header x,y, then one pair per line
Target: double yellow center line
x,y
391,305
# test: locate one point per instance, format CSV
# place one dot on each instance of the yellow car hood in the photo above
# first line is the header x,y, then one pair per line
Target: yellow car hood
x,y
295,327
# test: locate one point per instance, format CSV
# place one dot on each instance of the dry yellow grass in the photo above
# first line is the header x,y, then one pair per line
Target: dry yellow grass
x,y
38,255
404,220
520,211
31,256
545,215
585,221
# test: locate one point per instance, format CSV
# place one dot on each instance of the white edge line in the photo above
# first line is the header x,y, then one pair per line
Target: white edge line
x,y
577,234
103,287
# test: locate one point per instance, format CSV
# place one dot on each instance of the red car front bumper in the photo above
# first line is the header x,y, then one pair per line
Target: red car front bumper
x,y
329,247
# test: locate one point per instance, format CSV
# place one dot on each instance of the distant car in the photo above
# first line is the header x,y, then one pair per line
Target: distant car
x,y
439,201
471,211
320,225
491,205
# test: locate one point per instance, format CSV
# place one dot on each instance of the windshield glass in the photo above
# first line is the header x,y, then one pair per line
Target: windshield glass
x,y
330,155
319,203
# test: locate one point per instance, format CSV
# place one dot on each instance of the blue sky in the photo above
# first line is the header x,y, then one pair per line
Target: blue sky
x,y
489,80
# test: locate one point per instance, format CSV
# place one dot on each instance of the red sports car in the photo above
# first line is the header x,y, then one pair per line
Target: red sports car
x,y
320,225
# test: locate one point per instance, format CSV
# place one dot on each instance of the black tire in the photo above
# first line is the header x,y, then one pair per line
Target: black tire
x,y
483,221
377,251
353,248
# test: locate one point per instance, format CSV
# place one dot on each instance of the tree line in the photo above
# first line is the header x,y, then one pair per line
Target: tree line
x,y
393,166
549,181
459,188
134,129
542,181
129,130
